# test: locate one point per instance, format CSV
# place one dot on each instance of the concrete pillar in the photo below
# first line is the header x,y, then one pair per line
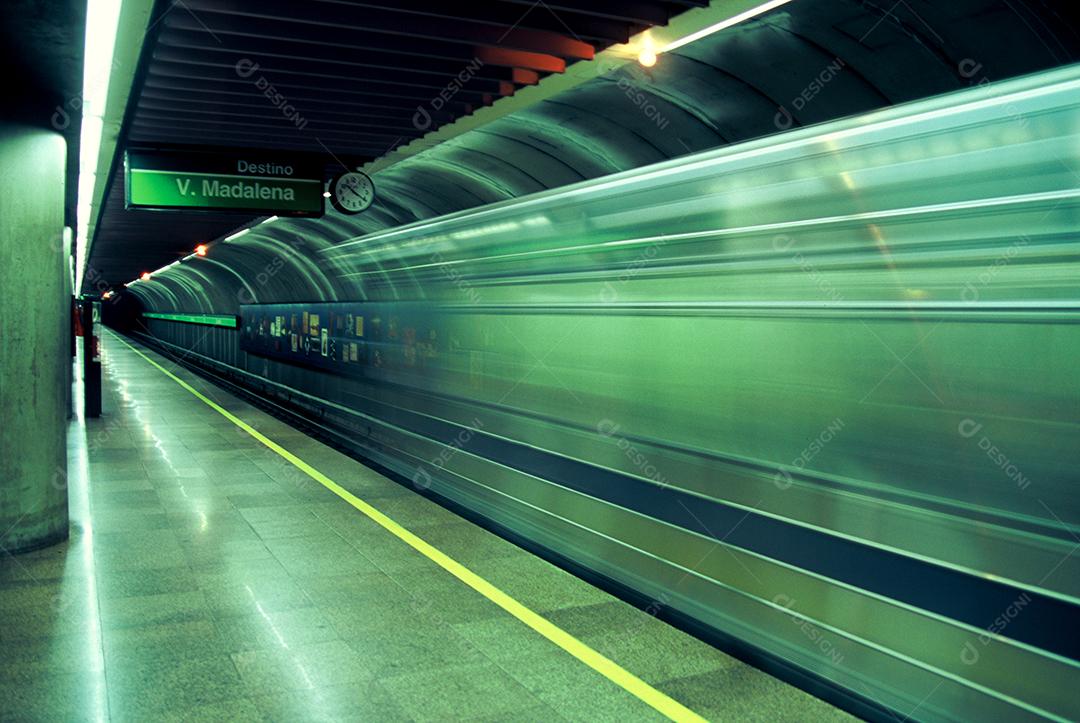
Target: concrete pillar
x,y
34,350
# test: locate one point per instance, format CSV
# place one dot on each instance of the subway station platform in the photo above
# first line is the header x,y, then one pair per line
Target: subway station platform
x,y
209,576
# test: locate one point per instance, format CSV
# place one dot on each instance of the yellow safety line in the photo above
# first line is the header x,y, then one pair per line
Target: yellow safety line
x,y
605,666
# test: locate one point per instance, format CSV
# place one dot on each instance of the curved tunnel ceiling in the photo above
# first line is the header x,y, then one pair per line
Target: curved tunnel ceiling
x,y
339,80
805,63
808,62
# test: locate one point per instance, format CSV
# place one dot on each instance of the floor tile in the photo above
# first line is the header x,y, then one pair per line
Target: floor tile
x,y
355,621
169,607
154,643
324,555
237,545
45,621
234,710
414,645
254,597
328,663
272,497
64,560
537,583
138,558
466,542
106,521
125,500
285,629
539,713
442,596
34,658
391,555
55,594
587,620
463,692
357,701
134,482
505,639
354,589
576,692
154,689
743,693
56,697
120,541
224,573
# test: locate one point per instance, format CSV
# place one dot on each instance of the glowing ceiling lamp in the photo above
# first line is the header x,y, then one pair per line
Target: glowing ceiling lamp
x,y
144,276
102,21
647,56
200,250
724,24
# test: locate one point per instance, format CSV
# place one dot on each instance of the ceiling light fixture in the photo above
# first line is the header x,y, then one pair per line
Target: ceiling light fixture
x,y
102,21
647,56
724,24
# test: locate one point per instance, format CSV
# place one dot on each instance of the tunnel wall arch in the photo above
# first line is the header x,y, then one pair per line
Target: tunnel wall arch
x,y
783,70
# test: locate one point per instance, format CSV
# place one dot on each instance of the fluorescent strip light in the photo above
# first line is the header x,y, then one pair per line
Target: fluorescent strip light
x,y
165,268
724,24
269,220
102,22
237,235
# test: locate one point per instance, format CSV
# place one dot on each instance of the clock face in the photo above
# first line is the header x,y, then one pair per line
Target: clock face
x,y
352,192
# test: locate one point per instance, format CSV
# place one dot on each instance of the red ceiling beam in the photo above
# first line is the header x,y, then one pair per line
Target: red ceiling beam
x,y
539,40
521,59
521,76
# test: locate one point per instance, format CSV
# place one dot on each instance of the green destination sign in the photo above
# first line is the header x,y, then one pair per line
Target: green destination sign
x,y
207,319
248,181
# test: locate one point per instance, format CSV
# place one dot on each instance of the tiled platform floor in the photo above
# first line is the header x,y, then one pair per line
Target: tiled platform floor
x,y
208,579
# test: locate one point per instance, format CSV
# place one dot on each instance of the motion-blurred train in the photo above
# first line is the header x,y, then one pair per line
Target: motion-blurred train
x,y
815,395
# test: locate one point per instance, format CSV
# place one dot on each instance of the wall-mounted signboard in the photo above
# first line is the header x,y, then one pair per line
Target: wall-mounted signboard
x,y
245,181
